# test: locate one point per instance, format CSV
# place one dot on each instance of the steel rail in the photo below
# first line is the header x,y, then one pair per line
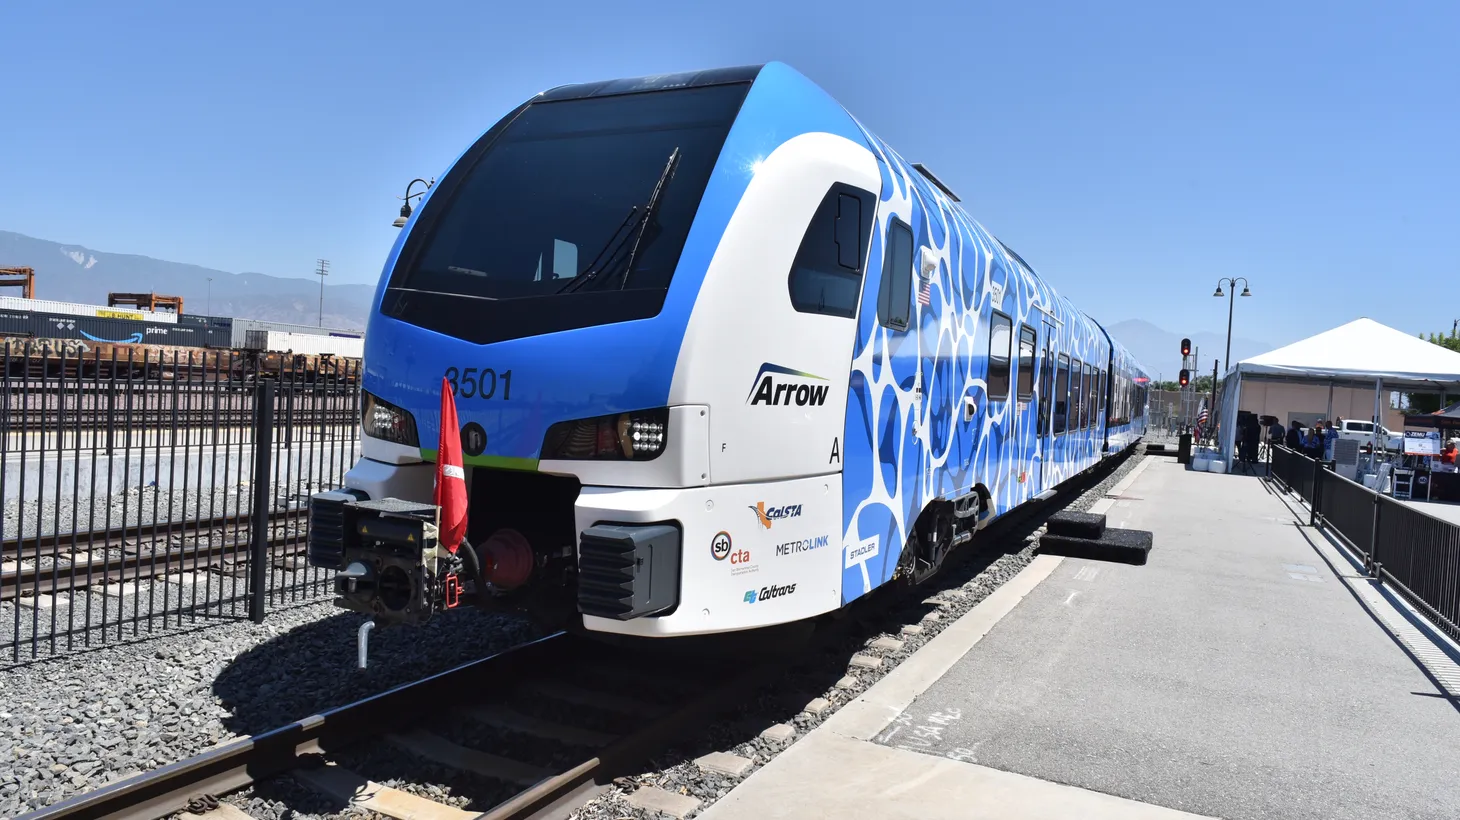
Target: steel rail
x,y
79,575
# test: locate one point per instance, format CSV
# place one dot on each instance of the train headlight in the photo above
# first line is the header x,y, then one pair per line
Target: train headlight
x,y
636,436
383,420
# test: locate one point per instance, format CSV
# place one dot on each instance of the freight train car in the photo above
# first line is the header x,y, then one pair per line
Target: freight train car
x,y
723,360
183,331
243,327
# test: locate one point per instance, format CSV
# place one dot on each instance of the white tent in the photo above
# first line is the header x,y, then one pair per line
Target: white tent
x,y
1362,352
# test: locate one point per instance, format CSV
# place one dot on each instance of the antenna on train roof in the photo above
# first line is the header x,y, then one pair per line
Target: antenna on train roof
x,y
923,169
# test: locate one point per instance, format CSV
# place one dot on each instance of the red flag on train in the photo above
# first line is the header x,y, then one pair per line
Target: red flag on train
x,y
450,475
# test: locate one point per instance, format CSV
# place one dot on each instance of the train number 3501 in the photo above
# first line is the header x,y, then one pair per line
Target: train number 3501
x,y
480,383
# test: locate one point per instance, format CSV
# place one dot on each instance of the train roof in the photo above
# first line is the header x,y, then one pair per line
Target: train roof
x,y
654,82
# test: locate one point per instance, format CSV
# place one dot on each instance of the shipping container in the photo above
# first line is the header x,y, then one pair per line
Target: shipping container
x,y
19,305
39,325
275,341
242,327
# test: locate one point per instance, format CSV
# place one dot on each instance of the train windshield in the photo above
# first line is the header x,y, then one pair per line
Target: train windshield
x,y
572,215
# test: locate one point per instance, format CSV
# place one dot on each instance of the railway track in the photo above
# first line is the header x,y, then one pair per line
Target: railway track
x,y
630,704
73,567
580,714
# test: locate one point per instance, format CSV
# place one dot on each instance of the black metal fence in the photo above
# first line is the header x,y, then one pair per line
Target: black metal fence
x,y
148,490
1405,547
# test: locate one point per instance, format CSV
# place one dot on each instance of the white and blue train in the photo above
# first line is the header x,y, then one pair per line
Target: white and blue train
x,y
722,359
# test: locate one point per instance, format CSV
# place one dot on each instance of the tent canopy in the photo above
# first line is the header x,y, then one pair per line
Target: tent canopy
x,y
1361,350
1446,418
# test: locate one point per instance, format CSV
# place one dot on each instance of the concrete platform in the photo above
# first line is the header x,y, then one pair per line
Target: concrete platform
x,y
1244,672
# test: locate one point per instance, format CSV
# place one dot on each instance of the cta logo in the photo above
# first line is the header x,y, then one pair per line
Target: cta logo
x,y
767,593
804,545
768,515
781,386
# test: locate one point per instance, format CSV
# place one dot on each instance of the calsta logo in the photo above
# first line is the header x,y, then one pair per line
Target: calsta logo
x,y
776,385
767,515
766,593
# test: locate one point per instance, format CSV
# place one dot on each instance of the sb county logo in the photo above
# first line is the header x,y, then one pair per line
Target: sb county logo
x,y
720,546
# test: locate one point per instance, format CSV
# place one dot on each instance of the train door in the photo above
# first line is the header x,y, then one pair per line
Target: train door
x,y
1044,438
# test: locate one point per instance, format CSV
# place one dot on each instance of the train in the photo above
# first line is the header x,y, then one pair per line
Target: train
x,y
722,361
22,319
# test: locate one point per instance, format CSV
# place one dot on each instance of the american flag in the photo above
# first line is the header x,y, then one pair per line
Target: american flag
x,y
925,293
1201,415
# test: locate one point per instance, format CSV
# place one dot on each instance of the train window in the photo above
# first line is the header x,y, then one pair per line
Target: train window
x,y
1093,375
1046,389
1026,362
1000,339
1084,395
566,181
1076,402
826,276
894,298
1062,394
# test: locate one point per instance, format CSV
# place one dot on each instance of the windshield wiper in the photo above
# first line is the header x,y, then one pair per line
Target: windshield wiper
x,y
615,242
611,247
649,211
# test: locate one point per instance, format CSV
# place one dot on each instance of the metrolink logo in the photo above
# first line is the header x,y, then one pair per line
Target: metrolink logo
x,y
803,545
767,515
776,385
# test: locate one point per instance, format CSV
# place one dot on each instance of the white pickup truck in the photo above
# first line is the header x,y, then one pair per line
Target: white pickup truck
x,y
1363,433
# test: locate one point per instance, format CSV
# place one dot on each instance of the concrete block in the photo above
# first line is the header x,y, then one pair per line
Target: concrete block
x,y
1123,546
779,733
653,798
733,765
866,661
887,644
912,629
932,616
182,579
1076,524
847,682
43,602
817,707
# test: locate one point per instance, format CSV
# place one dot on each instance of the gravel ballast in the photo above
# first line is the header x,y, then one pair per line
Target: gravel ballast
x,y
75,722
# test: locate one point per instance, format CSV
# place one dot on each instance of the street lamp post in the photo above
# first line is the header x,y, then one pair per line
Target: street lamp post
x,y
405,210
1231,302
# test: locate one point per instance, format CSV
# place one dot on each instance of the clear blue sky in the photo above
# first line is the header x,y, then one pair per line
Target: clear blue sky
x,y
1132,152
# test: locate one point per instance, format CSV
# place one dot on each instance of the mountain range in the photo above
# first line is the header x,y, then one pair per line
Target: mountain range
x,y
1159,351
75,273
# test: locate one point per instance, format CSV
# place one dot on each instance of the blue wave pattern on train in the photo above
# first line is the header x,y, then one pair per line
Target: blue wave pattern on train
x,y
903,452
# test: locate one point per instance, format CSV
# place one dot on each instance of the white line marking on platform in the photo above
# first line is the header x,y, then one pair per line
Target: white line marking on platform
x,y
1070,599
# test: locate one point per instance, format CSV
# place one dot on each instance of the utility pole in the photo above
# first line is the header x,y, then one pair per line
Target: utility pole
x,y
321,270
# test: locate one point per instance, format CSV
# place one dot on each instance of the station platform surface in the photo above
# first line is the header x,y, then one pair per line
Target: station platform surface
x,y
1248,670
